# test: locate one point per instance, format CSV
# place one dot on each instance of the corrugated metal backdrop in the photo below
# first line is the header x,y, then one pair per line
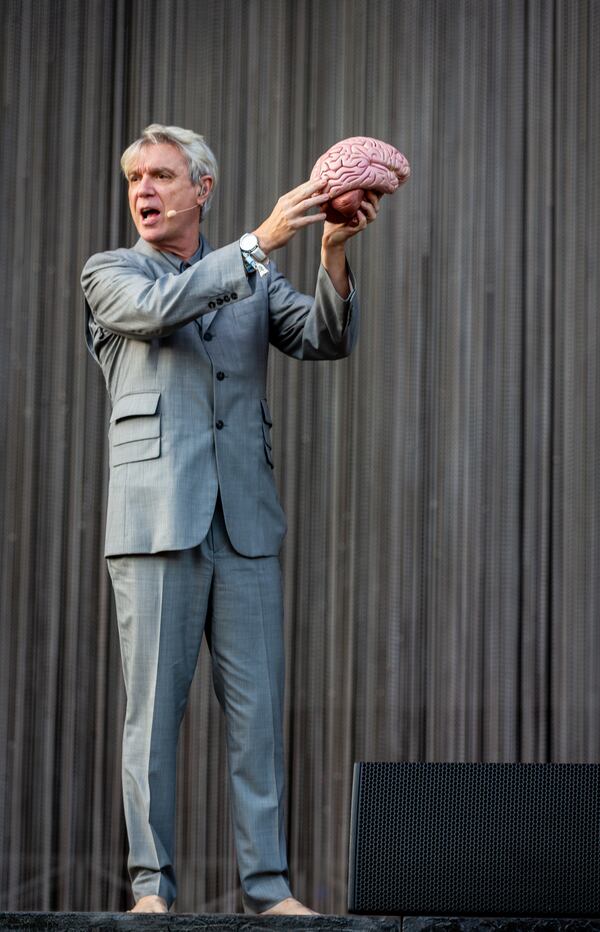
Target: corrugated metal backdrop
x,y
442,485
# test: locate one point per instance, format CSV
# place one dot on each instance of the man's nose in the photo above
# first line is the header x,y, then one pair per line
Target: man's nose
x,y
146,185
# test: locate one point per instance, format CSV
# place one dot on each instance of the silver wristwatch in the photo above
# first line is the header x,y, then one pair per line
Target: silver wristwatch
x,y
252,254
250,245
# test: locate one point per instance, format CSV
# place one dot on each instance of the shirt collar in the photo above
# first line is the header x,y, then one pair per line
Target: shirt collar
x,y
180,264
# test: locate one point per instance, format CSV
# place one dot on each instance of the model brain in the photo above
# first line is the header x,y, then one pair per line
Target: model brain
x,y
355,165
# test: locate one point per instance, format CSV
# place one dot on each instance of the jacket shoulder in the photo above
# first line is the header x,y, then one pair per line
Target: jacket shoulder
x,y
116,261
114,257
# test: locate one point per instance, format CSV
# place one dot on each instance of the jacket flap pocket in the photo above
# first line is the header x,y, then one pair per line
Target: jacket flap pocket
x,y
266,414
134,404
135,452
135,428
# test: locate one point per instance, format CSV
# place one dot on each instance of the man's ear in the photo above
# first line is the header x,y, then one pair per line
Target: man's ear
x,y
204,188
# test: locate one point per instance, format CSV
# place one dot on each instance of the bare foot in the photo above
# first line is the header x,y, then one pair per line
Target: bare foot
x,y
150,904
289,907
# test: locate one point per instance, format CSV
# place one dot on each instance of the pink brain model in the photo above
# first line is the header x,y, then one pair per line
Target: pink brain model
x,y
355,165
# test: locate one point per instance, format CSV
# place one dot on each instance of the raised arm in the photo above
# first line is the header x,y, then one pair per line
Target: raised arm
x,y
126,298
323,327
289,215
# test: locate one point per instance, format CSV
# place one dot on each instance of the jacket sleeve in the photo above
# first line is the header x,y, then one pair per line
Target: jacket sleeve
x,y
126,298
323,327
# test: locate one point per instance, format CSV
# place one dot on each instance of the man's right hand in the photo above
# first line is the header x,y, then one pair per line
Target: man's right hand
x,y
290,214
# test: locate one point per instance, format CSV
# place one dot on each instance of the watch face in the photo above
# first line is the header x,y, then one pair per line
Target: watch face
x,y
248,242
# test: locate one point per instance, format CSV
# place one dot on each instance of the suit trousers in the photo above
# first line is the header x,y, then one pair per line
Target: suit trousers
x,y
164,602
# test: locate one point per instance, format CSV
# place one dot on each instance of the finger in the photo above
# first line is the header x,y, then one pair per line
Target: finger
x,y
315,201
310,218
362,220
306,189
373,199
369,211
302,207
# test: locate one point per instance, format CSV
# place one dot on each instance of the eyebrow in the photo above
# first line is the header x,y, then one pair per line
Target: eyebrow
x,y
153,171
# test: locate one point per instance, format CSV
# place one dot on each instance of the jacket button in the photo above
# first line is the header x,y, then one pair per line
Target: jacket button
x,y
207,337
220,376
234,295
219,425
212,305
219,302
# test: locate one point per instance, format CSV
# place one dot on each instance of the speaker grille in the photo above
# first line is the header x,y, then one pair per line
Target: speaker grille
x,y
475,839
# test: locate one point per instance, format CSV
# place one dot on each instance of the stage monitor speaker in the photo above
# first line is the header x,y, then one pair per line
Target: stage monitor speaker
x,y
475,839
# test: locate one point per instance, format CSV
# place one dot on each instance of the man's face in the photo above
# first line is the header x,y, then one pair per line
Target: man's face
x,y
161,182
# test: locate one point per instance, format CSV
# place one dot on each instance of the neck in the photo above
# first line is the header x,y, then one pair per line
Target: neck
x,y
183,248
186,253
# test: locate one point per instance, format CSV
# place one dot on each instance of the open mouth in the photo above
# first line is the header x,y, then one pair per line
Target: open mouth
x,y
149,214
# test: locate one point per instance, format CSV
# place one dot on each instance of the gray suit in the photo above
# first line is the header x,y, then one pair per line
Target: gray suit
x,y
184,357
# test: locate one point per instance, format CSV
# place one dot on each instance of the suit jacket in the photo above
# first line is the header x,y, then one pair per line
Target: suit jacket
x,y
184,357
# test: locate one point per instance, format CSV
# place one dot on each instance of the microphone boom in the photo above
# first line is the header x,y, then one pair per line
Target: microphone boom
x,y
172,213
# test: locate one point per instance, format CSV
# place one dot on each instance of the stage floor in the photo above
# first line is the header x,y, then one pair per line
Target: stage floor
x,y
185,922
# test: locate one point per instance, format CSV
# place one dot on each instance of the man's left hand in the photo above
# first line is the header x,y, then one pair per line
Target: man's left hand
x,y
333,254
335,234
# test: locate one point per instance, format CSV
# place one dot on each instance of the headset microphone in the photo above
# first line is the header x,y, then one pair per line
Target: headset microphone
x,y
172,213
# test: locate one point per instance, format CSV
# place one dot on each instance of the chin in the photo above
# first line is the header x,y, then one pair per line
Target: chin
x,y
151,235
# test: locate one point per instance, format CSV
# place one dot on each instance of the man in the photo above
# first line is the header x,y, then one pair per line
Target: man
x,y
194,526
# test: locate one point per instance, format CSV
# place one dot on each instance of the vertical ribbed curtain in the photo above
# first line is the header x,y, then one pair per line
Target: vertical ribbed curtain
x,y
442,485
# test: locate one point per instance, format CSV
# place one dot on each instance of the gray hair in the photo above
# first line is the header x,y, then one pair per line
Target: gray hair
x,y
192,146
